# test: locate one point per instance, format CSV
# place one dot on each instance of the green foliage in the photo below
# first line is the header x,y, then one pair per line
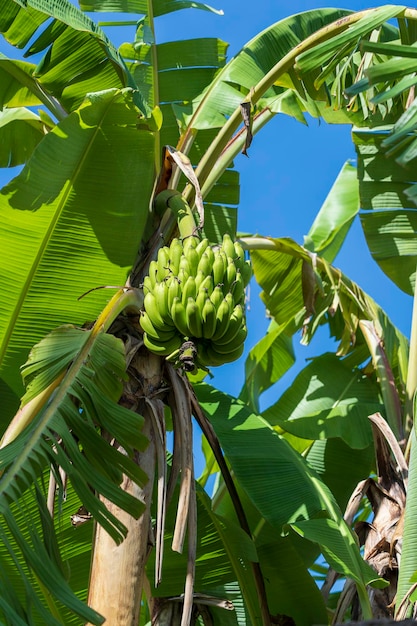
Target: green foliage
x,y
88,123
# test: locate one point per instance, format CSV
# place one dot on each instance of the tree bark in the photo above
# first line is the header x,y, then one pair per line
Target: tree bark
x,y
117,571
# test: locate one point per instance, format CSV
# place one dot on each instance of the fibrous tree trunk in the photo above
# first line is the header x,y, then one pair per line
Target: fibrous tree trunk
x,y
117,571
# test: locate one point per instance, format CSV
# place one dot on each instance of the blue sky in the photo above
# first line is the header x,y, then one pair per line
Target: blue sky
x,y
281,197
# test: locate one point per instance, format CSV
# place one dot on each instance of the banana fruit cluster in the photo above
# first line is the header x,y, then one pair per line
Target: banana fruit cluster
x,y
194,295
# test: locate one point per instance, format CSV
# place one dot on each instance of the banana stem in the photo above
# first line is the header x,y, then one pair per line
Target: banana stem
x,y
179,206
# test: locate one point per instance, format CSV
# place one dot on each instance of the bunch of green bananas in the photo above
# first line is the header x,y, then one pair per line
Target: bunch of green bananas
x,y
195,295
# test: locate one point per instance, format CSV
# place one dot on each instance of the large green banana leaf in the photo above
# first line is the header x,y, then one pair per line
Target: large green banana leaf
x,y
65,432
66,225
328,399
330,458
20,132
159,7
389,214
49,600
267,361
293,493
80,58
285,561
224,554
18,87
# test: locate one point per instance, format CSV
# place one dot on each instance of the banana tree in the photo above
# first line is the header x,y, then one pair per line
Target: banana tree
x,y
128,173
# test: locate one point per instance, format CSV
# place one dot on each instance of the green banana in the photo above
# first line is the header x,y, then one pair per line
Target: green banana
x,y
155,333
236,321
199,279
194,321
223,317
147,284
239,254
209,319
214,358
230,275
153,273
193,260
163,348
175,254
246,271
205,264
201,297
217,296
185,267
179,317
174,290
161,295
202,358
207,285
190,242
231,346
223,257
163,263
210,254
201,247
189,289
228,246
182,276
151,307
218,269
237,289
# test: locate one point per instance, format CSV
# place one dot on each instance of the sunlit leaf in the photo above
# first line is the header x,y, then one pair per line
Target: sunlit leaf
x,y
327,400
67,228
267,361
160,7
20,132
335,217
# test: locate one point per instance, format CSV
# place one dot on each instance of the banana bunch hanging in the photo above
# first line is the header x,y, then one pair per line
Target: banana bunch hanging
x,y
194,302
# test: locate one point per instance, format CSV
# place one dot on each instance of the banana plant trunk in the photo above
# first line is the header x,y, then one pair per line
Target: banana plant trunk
x,y
118,571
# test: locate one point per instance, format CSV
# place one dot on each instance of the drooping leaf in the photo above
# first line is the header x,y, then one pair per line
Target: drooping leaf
x,y
20,132
340,302
343,555
74,549
18,87
284,561
86,399
372,19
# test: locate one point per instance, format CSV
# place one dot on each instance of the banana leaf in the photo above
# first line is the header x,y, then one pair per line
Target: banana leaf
x,y
328,399
20,132
283,488
75,47
64,220
389,215
159,7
